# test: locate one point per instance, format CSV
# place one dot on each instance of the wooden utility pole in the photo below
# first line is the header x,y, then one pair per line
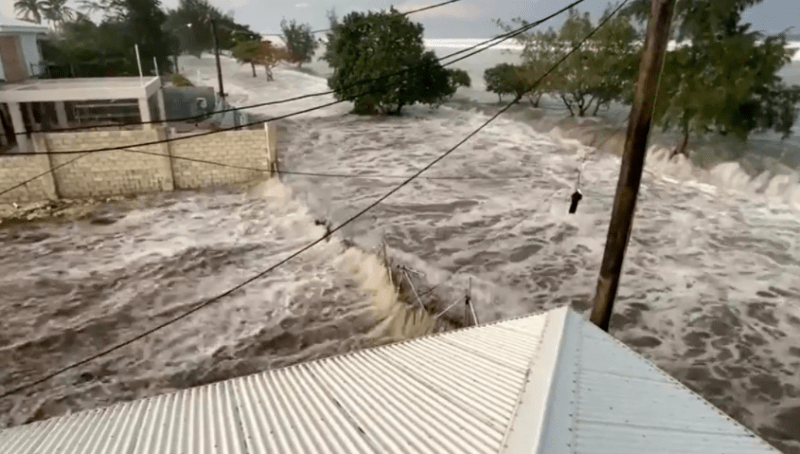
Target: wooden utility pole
x,y
619,230
216,55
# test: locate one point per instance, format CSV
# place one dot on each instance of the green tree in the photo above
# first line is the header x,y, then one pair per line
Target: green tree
x,y
82,49
616,50
30,10
603,69
541,50
179,80
386,50
87,49
57,12
506,79
333,26
269,56
247,52
429,83
727,85
300,42
725,79
190,23
459,78
143,21
577,80
600,72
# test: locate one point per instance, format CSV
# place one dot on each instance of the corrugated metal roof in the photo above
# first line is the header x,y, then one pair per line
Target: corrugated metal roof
x,y
548,383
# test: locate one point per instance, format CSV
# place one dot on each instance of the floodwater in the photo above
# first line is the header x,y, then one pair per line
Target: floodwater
x,y
710,289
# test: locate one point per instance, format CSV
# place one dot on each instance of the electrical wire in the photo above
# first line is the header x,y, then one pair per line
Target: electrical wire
x,y
330,232
488,43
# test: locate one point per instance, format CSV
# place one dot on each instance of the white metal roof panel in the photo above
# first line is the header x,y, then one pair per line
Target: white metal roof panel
x,y
288,410
452,392
401,413
610,399
548,383
663,415
200,420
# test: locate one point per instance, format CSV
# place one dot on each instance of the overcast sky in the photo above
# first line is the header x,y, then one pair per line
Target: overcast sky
x,y
466,19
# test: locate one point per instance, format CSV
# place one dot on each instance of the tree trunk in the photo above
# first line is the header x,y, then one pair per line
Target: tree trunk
x,y
269,73
596,108
585,107
499,97
681,148
253,66
568,104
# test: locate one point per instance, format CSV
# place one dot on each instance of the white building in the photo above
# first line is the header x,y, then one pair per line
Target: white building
x,y
548,383
19,49
32,105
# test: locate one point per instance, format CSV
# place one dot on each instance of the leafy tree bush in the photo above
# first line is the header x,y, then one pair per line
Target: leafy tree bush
x,y
191,24
300,42
725,79
504,79
388,47
540,52
247,52
82,48
269,56
459,78
600,72
30,10
737,95
179,80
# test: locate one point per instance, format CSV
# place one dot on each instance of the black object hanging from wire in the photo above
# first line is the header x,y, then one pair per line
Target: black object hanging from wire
x,y
576,198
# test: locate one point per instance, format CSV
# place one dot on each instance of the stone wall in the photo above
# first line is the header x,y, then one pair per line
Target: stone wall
x,y
246,155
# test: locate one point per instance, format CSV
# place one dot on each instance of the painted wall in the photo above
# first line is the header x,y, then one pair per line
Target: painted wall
x,y
30,51
111,173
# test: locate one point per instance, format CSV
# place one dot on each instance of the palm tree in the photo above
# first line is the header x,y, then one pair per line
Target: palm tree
x,y
30,10
57,11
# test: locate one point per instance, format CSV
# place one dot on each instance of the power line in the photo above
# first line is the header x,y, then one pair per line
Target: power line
x,y
488,43
372,205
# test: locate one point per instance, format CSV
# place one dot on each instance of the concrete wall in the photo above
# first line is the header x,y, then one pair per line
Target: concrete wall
x,y
119,172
